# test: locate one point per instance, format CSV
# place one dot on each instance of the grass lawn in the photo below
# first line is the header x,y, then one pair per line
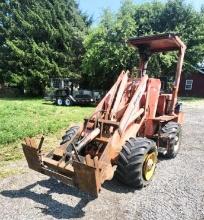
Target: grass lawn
x,y
20,118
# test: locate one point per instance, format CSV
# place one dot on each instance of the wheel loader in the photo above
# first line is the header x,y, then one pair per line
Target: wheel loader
x,y
133,123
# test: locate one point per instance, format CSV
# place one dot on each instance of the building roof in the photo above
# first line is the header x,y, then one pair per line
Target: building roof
x,y
200,70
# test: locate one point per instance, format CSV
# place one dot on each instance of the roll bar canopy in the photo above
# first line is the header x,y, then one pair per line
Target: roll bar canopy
x,y
147,45
158,43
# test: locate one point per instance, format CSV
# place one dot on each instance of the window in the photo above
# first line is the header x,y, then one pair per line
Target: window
x,y
189,84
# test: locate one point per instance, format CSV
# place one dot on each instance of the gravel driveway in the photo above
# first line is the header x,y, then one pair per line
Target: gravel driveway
x,y
176,192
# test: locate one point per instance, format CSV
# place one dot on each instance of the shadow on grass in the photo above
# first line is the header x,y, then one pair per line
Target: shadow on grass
x,y
20,98
73,105
48,103
53,207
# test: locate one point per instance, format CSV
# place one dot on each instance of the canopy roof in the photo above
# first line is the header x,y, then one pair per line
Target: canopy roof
x,y
158,43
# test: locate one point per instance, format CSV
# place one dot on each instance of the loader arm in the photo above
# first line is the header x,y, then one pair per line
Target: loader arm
x,y
133,110
107,102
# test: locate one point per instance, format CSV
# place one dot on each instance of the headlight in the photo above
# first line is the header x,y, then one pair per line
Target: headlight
x,y
91,100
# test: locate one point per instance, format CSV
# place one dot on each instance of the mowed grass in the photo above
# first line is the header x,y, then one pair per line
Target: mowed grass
x,y
20,118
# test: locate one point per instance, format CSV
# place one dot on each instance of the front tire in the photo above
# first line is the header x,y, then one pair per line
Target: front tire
x,y
59,102
137,162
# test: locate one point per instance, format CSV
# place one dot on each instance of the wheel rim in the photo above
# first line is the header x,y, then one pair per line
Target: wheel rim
x,y
59,101
67,102
149,165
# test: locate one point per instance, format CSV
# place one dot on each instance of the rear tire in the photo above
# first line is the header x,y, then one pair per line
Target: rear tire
x,y
137,162
173,131
67,102
69,134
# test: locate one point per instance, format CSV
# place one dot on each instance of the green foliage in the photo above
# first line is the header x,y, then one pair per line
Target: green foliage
x,y
40,39
51,38
107,54
106,50
177,17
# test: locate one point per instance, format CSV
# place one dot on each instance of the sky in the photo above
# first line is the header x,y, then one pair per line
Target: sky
x,y
95,7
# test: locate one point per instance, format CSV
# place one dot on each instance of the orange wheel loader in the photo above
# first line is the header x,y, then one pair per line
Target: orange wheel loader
x,y
132,124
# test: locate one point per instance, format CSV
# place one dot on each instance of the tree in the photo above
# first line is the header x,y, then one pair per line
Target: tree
x,y
40,39
107,54
106,50
177,17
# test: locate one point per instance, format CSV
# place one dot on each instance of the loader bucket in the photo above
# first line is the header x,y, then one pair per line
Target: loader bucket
x,y
83,174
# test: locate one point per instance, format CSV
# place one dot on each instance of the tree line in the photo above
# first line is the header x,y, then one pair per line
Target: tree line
x,y
53,38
